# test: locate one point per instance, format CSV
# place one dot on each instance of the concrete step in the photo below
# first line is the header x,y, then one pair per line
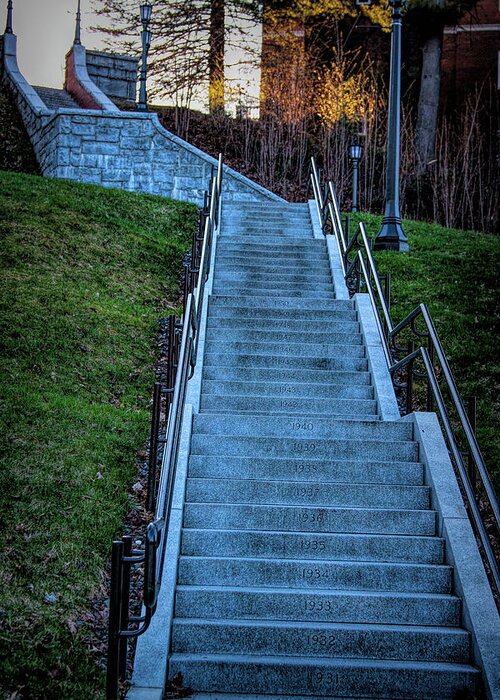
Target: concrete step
x,y
347,677
250,292
310,429
305,469
290,406
301,545
283,492
231,282
266,206
387,450
288,349
289,231
247,243
269,265
307,336
284,305
238,284
249,223
289,390
377,607
337,309
231,359
291,376
283,255
285,324
318,574
270,277
267,214
226,516
259,696
338,640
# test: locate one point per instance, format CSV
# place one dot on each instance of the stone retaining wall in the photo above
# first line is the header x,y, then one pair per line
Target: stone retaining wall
x,y
126,150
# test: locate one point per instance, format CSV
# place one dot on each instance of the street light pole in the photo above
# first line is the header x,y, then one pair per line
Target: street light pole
x,y
355,152
146,12
391,235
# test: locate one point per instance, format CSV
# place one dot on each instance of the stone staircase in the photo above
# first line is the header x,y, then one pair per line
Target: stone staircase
x,y
310,565
56,99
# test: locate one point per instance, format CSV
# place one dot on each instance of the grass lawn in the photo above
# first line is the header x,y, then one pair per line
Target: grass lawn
x,y
86,273
456,273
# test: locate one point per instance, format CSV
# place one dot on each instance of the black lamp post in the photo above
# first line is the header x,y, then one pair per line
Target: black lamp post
x,y
355,152
146,12
391,235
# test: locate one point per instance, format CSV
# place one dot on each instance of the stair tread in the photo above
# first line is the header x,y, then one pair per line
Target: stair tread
x,y
357,662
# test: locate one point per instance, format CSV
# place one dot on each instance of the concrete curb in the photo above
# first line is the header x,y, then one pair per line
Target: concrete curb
x,y
341,291
479,614
382,383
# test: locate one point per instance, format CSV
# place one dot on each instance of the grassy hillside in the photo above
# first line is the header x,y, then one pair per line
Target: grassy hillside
x,y
86,273
456,274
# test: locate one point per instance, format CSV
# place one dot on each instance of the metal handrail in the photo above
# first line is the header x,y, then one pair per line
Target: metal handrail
x,y
153,555
362,266
470,496
423,311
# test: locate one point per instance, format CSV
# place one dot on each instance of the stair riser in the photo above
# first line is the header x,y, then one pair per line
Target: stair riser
x,y
322,428
276,389
293,493
288,349
229,309
314,606
364,576
269,267
307,470
286,305
279,325
237,446
289,377
268,279
323,679
291,545
236,281
320,641
290,407
276,256
252,292
309,519
284,231
308,337
221,359
273,246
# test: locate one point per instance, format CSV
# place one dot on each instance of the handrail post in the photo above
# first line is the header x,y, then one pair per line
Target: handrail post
x,y
153,446
124,612
115,602
409,379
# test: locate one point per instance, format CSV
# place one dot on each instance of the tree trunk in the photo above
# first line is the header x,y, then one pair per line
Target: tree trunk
x,y
216,58
428,101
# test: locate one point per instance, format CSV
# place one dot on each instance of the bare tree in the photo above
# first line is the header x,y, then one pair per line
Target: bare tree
x,y
189,39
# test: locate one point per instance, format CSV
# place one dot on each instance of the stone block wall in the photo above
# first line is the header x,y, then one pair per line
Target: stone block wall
x,y
134,152
126,150
114,74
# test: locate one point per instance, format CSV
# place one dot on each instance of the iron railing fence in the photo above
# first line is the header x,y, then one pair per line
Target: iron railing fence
x,y
168,397
414,352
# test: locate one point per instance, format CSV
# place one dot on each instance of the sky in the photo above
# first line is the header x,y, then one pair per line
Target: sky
x,y
45,31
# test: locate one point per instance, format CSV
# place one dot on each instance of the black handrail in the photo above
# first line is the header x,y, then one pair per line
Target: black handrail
x,y
359,269
122,625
